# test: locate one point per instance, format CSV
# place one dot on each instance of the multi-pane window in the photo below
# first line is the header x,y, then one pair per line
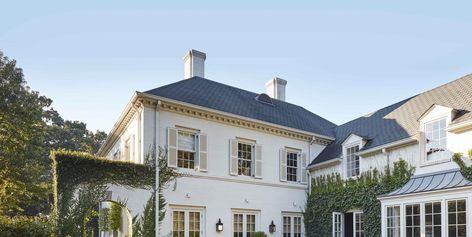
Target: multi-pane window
x,y
287,228
244,224
194,224
358,224
457,218
432,216
250,225
245,151
178,224
352,161
338,223
436,139
238,225
186,223
413,220
393,221
292,226
297,226
186,149
292,166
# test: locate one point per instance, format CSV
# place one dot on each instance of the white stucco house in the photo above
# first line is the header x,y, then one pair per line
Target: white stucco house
x,y
251,157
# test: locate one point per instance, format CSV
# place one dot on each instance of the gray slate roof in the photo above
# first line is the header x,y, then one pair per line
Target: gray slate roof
x,y
214,95
431,182
400,120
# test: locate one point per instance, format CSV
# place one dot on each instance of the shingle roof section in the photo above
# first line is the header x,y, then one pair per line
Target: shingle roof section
x,y
400,120
432,182
221,97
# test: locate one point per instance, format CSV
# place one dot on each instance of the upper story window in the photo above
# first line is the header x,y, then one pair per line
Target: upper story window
x,y
352,162
186,151
245,158
436,139
292,165
187,148
245,153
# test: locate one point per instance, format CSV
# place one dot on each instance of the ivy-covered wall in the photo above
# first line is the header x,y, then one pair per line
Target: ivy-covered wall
x,y
332,194
74,170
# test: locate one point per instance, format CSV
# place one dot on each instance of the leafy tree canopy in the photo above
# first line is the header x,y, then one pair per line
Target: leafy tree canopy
x,y
29,129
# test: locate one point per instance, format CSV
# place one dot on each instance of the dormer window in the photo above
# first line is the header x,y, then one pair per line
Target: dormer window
x,y
436,139
352,162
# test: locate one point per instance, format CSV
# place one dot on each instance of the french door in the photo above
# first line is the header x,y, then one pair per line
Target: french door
x,y
244,223
338,224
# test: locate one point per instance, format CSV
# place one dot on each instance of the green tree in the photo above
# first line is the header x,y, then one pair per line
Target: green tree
x,y
23,159
29,129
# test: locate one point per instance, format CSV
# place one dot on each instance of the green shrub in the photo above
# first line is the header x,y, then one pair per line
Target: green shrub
x,y
259,234
115,216
22,226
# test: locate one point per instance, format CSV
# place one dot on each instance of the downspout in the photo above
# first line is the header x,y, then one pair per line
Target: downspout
x,y
156,156
313,138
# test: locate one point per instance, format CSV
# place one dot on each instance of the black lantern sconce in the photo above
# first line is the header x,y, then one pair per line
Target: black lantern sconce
x,y
219,226
272,227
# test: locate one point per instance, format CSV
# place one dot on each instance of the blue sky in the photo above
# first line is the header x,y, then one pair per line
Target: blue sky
x,y
341,59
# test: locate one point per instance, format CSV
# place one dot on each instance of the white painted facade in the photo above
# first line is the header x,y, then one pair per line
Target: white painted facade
x,y
215,190
215,193
414,153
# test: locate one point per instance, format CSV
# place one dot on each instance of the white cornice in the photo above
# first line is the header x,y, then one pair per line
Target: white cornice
x,y
460,127
143,99
163,99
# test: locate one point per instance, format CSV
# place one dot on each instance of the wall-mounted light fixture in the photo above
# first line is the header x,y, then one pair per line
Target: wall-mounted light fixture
x,y
272,227
219,226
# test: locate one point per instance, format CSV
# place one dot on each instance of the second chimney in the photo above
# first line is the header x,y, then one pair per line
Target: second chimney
x,y
275,88
194,64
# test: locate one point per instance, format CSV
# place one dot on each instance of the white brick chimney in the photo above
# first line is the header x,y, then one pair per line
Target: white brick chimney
x,y
194,64
275,88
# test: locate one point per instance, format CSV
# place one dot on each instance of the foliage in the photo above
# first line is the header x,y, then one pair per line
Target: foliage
x,y
115,216
78,208
21,226
29,129
465,170
259,234
145,225
73,170
103,219
332,194
22,156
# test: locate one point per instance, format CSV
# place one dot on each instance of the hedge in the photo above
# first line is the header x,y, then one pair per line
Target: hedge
x,y
332,194
21,226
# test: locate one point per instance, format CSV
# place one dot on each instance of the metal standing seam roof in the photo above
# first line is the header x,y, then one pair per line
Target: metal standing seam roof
x,y
400,120
210,94
432,182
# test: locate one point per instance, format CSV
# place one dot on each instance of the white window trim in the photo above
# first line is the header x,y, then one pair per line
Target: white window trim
x,y
354,221
467,211
292,223
245,212
188,209
253,155
299,163
345,147
342,223
401,225
423,151
423,215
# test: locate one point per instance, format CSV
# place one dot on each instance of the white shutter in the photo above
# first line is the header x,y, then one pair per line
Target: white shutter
x,y
202,152
233,157
258,161
283,165
172,144
303,175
